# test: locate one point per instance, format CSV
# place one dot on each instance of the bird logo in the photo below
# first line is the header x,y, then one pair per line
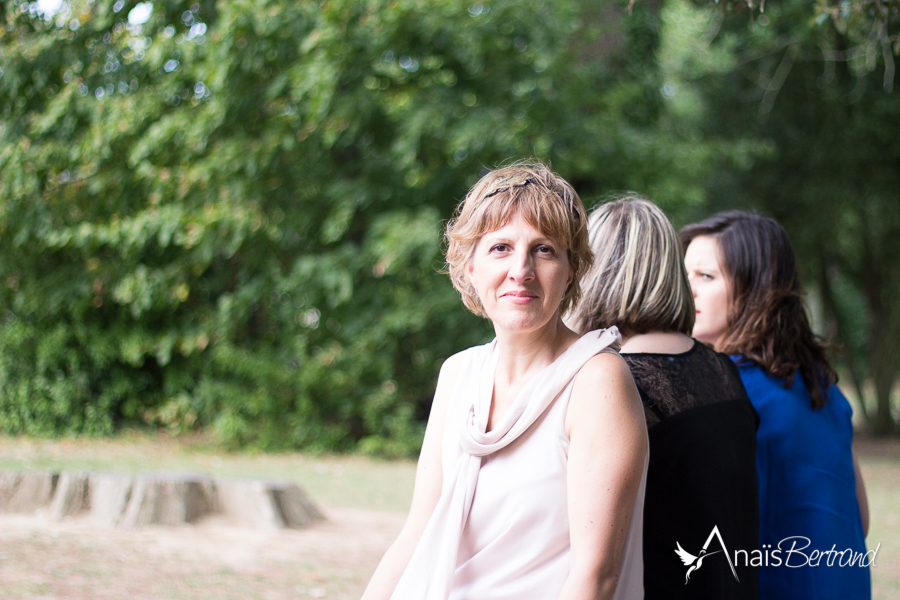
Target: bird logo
x,y
688,559
694,562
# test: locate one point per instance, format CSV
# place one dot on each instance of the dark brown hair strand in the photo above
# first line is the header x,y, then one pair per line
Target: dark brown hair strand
x,y
767,322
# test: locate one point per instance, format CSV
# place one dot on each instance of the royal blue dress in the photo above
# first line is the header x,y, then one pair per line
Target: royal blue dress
x,y
807,491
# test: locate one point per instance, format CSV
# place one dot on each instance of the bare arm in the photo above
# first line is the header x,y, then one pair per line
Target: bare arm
x,y
608,444
425,495
861,497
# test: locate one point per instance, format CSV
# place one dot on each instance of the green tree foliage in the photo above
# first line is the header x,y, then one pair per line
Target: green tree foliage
x,y
809,90
872,26
227,214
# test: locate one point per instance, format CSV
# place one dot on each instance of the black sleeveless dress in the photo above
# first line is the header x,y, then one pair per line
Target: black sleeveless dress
x,y
701,478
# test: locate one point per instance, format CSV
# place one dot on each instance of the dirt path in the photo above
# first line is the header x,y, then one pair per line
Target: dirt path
x,y
74,559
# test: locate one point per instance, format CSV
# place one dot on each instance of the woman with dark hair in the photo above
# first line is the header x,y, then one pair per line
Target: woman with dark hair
x,y
702,426
811,497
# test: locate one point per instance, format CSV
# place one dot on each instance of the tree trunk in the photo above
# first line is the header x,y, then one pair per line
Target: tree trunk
x,y
882,331
883,367
834,313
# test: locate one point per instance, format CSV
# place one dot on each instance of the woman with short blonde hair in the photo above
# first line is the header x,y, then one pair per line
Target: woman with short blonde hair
x,y
701,424
638,281
531,478
521,188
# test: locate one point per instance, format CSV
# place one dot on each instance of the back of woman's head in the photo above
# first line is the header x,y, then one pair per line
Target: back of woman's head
x,y
638,281
766,318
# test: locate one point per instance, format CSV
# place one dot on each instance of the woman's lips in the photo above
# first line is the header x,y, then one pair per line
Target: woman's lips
x,y
520,297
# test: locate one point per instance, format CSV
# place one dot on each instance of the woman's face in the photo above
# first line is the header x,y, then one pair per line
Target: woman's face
x,y
520,275
709,287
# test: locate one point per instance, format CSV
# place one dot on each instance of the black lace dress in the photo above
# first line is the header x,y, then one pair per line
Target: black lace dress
x,y
702,475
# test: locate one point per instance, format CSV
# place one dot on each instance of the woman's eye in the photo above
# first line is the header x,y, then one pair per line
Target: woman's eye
x,y
546,250
706,276
498,248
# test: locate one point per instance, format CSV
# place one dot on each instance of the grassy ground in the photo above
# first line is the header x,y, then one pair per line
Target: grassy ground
x,y
364,500
880,463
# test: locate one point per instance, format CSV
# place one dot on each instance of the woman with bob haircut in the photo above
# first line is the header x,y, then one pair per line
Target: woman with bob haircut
x,y
749,305
702,427
534,457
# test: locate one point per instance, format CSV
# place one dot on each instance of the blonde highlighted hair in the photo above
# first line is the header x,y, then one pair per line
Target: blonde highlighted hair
x,y
638,282
544,199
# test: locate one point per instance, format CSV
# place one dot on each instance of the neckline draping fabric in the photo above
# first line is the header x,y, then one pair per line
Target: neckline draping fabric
x,y
430,570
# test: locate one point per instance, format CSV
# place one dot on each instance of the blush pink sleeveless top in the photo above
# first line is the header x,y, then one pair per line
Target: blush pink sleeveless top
x,y
500,530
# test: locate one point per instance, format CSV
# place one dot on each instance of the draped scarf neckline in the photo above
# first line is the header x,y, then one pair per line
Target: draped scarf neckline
x,y
429,573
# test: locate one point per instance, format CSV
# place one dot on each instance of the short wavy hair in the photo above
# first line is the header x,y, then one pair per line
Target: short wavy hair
x,y
638,282
545,200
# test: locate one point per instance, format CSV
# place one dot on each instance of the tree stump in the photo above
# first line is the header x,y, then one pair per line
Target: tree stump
x,y
109,495
115,500
297,509
72,495
167,500
24,491
265,504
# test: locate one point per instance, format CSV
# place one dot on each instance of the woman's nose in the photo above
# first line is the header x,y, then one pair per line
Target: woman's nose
x,y
522,268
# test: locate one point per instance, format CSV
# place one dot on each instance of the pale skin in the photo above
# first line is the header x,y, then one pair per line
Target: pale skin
x,y
710,288
521,276
658,342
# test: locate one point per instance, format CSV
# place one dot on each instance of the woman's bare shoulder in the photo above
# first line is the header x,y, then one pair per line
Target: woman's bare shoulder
x,y
604,368
603,392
